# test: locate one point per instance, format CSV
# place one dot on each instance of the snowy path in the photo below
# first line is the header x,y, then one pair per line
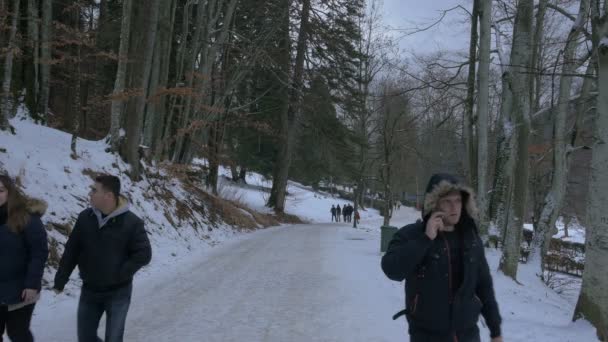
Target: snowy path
x,y
299,283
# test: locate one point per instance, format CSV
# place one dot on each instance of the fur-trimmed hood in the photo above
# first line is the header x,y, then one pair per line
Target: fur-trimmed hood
x,y
36,206
442,184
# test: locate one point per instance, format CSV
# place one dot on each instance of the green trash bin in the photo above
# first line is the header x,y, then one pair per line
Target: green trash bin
x,y
386,234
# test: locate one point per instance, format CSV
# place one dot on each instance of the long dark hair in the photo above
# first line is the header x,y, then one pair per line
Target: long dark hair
x,y
16,205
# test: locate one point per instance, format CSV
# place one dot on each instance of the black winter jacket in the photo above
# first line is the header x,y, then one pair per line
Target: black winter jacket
x,y
23,255
107,257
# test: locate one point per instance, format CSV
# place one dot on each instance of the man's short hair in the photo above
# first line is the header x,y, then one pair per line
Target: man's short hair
x,y
109,183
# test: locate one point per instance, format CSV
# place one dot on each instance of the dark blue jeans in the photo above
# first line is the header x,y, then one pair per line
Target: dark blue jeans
x,y
92,305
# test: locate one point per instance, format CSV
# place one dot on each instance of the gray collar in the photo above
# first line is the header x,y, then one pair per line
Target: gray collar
x,y
123,207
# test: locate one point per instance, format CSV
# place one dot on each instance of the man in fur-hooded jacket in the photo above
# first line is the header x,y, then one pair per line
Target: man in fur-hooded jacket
x,y
447,278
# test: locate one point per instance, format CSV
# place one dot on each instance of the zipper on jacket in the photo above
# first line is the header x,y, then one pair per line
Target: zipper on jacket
x,y
447,246
415,304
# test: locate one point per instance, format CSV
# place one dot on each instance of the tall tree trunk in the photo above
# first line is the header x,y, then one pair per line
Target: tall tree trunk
x,y
501,190
537,63
152,106
561,149
469,120
121,75
135,120
483,111
520,66
166,24
8,68
289,115
214,145
593,300
34,36
76,104
45,58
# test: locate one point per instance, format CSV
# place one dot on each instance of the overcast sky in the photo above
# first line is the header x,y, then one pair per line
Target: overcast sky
x,y
451,34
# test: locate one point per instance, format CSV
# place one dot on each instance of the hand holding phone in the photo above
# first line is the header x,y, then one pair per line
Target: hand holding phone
x,y
434,224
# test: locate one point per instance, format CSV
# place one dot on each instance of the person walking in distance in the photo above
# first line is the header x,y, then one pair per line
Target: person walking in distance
x,y
338,212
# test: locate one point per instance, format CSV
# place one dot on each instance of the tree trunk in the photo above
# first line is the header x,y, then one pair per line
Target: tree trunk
x,y
561,149
483,112
243,175
151,108
77,107
469,120
593,300
167,20
45,58
537,63
234,172
501,190
8,69
121,75
289,115
519,83
388,203
34,35
214,145
501,194
135,120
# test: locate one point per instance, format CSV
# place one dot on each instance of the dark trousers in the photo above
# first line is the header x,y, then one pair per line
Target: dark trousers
x,y
471,335
17,323
93,304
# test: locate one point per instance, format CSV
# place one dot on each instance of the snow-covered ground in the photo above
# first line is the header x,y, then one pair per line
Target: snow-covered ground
x,y
576,231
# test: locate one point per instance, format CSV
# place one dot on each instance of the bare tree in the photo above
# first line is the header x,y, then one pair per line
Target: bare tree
x,y
520,125
483,109
562,150
469,116
392,115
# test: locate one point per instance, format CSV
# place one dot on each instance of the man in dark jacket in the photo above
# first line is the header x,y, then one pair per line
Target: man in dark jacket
x,y
109,244
442,260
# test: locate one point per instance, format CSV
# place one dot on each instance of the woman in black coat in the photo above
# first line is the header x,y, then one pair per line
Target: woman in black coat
x,y
23,253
